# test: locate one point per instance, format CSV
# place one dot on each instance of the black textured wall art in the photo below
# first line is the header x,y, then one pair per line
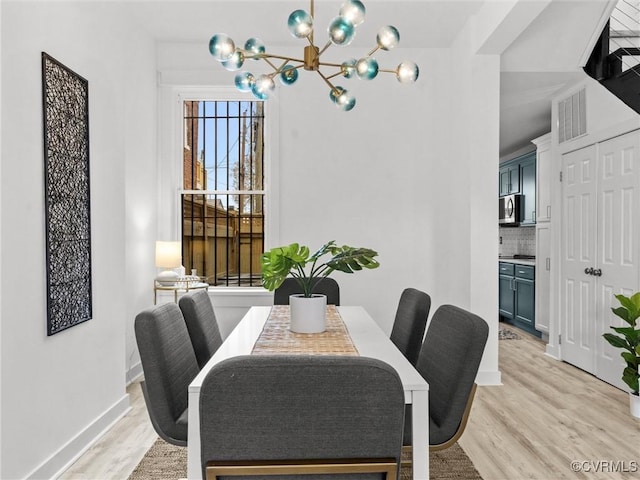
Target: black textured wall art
x,y
65,99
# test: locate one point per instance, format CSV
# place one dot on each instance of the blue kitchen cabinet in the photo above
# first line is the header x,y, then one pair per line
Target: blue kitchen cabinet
x,y
517,295
528,190
506,302
509,179
519,176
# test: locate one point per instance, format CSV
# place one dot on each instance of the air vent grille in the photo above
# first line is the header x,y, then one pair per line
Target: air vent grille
x,y
572,116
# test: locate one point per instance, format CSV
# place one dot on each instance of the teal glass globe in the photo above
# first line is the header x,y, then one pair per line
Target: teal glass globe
x,y
244,81
257,93
348,68
255,47
300,24
334,93
341,31
263,87
289,75
353,11
388,37
345,101
221,47
407,72
235,62
367,68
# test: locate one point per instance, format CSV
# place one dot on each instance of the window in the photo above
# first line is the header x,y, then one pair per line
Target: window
x,y
223,197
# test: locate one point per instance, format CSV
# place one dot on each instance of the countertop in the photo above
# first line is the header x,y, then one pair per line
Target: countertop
x,y
519,261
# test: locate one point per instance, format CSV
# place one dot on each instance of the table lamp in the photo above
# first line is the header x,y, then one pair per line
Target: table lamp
x,y
168,256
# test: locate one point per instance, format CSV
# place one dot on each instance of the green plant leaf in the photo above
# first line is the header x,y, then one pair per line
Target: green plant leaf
x,y
615,341
630,333
631,359
630,377
328,247
351,259
621,312
632,304
278,262
635,299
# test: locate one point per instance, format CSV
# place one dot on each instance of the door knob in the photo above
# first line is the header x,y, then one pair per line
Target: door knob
x,y
588,271
597,272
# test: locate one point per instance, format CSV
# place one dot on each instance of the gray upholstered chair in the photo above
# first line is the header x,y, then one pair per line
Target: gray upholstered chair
x,y
410,322
299,415
325,286
202,324
169,365
449,361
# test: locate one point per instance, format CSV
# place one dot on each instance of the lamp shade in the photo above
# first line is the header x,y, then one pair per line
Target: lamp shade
x,y
168,254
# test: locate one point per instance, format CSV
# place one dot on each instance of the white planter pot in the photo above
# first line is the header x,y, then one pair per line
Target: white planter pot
x,y
634,401
308,315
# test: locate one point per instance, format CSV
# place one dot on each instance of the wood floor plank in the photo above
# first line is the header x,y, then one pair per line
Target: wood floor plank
x,y
546,415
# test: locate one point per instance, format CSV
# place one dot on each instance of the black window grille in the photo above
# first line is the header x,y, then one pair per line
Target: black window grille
x,y
223,192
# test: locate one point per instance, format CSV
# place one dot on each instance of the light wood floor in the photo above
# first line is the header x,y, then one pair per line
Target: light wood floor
x,y
544,416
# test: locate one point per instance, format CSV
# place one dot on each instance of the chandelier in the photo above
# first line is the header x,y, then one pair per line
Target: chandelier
x,y
341,30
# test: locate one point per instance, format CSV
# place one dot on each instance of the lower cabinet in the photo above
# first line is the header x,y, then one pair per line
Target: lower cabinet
x,y
517,295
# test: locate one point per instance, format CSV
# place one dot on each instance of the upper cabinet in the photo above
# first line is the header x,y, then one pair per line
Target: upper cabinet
x,y
528,190
543,178
519,176
509,179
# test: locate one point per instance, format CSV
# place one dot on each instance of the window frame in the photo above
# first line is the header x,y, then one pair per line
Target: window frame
x,y
270,167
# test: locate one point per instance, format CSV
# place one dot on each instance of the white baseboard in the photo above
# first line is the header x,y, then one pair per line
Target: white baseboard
x,y
134,372
61,460
487,378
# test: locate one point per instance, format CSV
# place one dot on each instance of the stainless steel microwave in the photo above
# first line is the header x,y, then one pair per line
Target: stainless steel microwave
x,y
509,209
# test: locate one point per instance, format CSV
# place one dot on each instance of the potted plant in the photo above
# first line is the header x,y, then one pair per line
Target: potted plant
x,y
628,339
310,270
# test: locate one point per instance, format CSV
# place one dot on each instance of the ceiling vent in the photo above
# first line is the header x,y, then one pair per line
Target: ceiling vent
x,y
572,116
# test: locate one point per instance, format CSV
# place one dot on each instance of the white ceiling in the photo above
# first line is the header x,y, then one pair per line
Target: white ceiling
x,y
541,61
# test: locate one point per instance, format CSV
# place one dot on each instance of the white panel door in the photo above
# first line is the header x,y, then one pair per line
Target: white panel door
x,y
578,254
617,265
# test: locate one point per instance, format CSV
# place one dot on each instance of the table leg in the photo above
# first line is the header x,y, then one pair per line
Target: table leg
x,y
194,469
420,428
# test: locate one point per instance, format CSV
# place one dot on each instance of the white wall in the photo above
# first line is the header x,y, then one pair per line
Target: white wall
x,y
59,392
410,172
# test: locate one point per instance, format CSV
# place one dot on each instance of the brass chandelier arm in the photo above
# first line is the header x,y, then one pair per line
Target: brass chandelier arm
x,y
333,88
279,57
326,64
324,48
334,75
272,65
374,50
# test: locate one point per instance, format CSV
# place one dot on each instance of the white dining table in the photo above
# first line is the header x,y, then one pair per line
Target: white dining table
x,y
369,340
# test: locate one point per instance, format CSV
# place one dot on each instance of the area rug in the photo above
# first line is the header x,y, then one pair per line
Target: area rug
x,y
506,334
164,461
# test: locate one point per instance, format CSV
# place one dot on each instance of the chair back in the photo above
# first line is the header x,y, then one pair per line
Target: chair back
x,y
449,362
323,286
410,323
301,408
201,323
169,365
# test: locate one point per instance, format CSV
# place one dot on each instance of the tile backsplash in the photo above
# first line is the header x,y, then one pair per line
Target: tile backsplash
x,y
517,240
